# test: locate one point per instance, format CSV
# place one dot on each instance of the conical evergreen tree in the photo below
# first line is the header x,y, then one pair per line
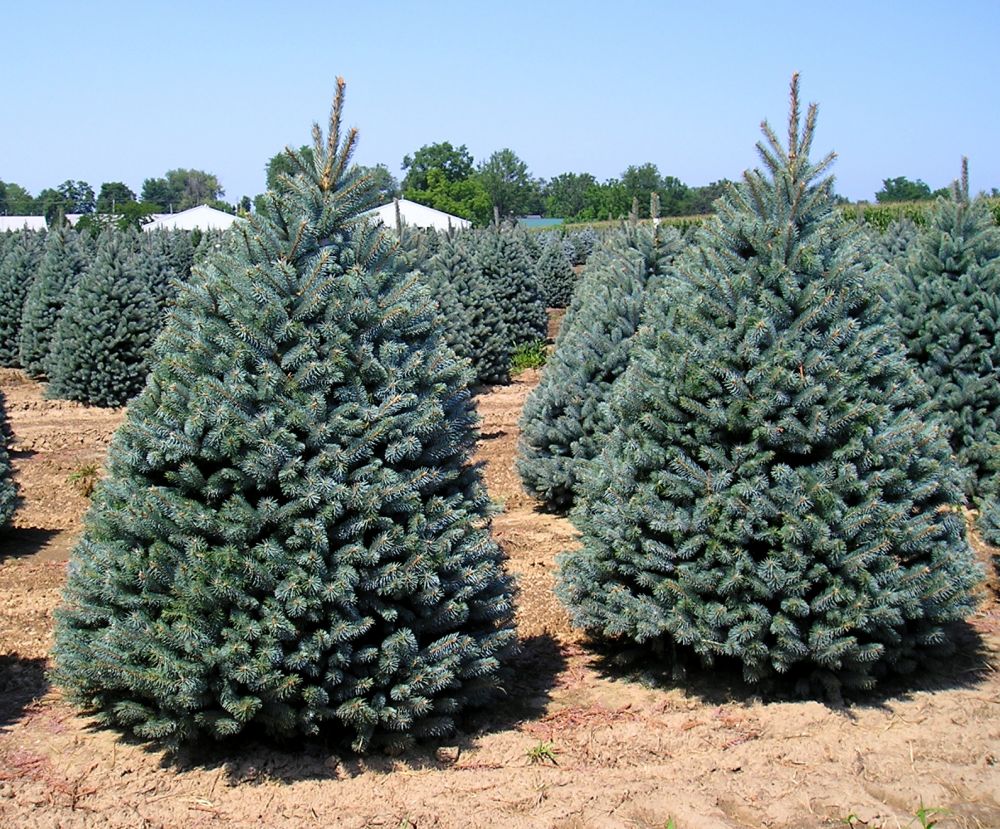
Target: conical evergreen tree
x,y
508,269
583,243
157,262
776,492
566,418
555,275
948,305
181,253
291,534
60,268
899,241
17,271
989,519
472,319
8,492
103,338
415,248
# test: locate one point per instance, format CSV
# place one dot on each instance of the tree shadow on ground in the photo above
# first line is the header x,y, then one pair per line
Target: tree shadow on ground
x,y
22,681
529,678
24,542
962,665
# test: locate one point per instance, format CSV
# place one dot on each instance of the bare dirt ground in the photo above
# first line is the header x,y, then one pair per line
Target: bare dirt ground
x,y
575,745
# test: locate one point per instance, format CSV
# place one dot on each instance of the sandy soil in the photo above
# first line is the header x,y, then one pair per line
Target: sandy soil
x,y
575,744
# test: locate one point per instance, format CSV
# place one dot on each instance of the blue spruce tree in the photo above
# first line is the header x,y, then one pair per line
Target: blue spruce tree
x,y
555,275
102,341
471,317
8,492
17,271
566,417
60,268
776,492
948,307
510,272
291,535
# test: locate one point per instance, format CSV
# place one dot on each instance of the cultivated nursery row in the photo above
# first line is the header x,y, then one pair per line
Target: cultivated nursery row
x,y
765,430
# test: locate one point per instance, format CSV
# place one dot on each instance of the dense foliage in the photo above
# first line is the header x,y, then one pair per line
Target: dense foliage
x,y
948,307
8,492
57,274
510,273
21,256
566,419
556,277
291,535
776,492
472,320
102,341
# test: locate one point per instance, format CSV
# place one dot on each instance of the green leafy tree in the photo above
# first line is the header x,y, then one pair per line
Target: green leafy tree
x,y
566,194
8,491
17,271
640,182
53,205
112,196
283,164
467,198
777,492
701,200
609,200
16,201
78,195
102,341
157,191
675,197
291,535
383,182
455,164
182,189
69,197
61,265
902,189
949,313
507,181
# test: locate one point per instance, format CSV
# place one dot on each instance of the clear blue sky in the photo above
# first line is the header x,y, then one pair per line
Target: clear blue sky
x,y
116,91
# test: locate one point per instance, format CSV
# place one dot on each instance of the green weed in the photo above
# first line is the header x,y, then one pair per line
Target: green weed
x,y
544,752
84,479
528,355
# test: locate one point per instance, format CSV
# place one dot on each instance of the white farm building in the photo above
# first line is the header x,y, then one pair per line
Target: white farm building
x,y
417,215
22,223
202,217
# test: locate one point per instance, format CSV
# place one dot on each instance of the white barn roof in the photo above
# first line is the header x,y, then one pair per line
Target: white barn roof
x,y
417,215
202,217
22,223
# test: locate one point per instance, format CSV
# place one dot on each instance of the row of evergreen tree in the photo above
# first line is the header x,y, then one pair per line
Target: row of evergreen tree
x,y
763,436
82,311
291,535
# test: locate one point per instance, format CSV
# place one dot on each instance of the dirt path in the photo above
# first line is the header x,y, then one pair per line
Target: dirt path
x,y
574,746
